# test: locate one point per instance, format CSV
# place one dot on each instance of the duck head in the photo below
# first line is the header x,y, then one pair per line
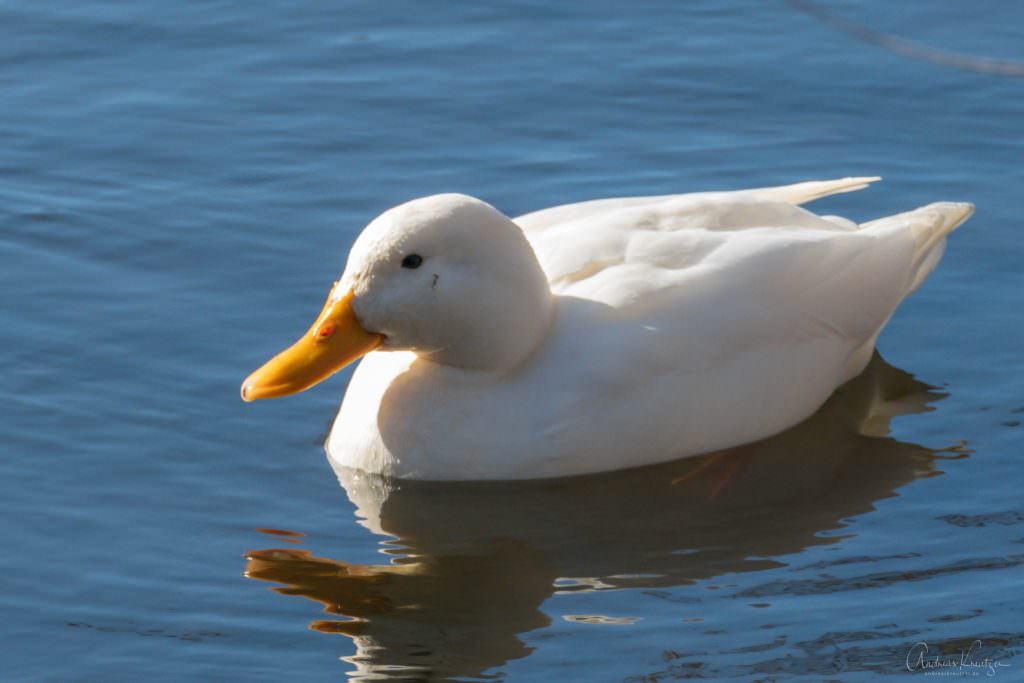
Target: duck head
x,y
448,277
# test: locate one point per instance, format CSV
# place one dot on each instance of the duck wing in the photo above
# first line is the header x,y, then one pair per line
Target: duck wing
x,y
796,194
576,241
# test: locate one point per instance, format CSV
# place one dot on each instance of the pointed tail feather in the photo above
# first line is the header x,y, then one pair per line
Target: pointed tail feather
x,y
929,226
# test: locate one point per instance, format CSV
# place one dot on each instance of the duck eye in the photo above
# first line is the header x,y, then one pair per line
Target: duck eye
x,y
412,261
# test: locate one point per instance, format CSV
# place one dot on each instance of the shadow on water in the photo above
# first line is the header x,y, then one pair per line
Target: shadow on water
x,y
474,562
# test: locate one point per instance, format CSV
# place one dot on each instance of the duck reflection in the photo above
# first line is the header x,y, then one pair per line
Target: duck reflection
x,y
473,562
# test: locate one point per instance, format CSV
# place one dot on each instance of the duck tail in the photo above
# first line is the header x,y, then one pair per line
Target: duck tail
x,y
929,226
801,193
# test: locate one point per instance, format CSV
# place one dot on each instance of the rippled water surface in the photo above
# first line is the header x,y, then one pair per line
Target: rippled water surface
x,y
179,185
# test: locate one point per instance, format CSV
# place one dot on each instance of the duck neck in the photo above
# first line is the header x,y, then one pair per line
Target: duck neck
x,y
511,326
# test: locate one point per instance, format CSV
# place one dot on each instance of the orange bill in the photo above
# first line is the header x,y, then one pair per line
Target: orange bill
x,y
335,340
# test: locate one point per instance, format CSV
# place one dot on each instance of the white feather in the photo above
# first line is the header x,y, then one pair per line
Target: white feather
x,y
680,325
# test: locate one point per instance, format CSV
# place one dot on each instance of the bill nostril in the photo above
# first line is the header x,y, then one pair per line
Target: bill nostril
x,y
325,331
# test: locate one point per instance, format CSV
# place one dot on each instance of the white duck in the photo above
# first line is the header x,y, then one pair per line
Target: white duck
x,y
601,335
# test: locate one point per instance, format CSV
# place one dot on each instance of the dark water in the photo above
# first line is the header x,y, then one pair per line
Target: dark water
x,y
179,184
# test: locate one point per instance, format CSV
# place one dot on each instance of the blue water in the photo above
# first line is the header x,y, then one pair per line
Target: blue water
x,y
179,185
